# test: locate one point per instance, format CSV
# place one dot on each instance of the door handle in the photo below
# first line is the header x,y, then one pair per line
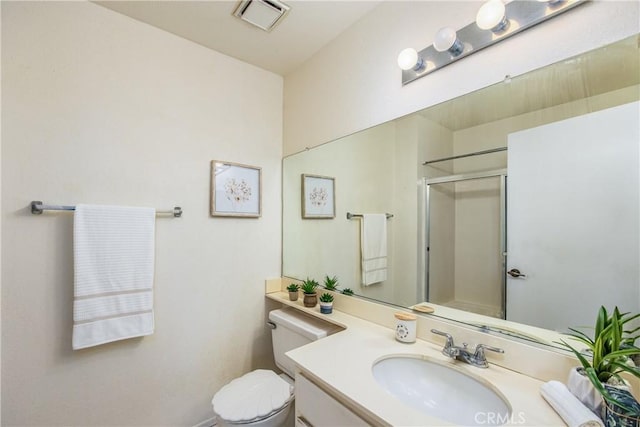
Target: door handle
x,y
514,272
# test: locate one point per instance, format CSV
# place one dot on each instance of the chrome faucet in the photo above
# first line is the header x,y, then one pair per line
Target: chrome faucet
x,y
477,358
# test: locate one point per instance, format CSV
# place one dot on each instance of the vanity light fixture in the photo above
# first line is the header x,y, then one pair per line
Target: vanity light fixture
x,y
495,21
446,40
492,16
408,59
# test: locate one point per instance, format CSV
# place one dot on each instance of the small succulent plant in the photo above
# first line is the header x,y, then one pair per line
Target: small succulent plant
x,y
326,297
309,286
294,287
347,291
331,283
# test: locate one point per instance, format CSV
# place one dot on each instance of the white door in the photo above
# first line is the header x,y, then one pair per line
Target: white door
x,y
573,219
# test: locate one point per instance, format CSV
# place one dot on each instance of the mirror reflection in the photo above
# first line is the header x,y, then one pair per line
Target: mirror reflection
x,y
513,205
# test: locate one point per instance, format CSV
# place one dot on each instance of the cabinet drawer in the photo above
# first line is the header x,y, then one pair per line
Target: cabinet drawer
x,y
316,408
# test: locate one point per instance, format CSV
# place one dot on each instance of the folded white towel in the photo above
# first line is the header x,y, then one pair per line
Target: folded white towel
x,y
570,409
373,246
113,264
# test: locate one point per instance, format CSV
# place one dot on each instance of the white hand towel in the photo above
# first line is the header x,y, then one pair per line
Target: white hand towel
x,y
113,264
572,411
373,246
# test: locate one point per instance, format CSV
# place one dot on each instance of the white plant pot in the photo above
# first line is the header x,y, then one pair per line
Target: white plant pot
x,y
326,307
581,387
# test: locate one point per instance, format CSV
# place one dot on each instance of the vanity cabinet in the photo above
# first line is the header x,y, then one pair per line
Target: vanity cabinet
x,y
316,408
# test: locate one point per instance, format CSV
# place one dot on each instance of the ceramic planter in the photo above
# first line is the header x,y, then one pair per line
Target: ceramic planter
x,y
310,300
616,416
326,307
293,295
582,388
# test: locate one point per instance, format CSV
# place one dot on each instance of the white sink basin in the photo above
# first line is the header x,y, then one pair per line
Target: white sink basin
x,y
442,391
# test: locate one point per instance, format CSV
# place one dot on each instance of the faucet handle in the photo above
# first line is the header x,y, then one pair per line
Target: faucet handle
x,y
480,348
446,335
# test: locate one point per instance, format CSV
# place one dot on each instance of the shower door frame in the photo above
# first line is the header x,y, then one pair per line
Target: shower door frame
x,y
426,224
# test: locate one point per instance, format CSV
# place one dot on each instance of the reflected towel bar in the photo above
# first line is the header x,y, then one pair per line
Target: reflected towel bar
x,y
352,215
37,208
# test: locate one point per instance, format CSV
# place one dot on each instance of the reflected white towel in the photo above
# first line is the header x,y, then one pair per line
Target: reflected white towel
x,y
113,248
373,247
572,411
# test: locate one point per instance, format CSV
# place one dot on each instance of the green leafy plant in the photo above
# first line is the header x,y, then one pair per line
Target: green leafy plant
x,y
294,287
629,341
347,291
331,283
326,297
309,286
608,360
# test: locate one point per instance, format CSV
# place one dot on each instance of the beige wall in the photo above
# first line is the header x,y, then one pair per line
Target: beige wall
x,y
354,82
332,246
375,171
409,133
98,108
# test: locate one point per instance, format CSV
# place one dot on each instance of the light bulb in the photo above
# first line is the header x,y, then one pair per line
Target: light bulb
x,y
408,59
491,16
447,40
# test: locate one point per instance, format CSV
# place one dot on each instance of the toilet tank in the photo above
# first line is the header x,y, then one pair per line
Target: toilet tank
x,y
294,329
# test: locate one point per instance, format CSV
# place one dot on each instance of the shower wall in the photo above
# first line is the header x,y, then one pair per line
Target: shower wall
x,y
477,257
437,142
442,246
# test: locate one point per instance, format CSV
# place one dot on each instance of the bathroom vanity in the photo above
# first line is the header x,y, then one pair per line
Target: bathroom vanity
x,y
335,382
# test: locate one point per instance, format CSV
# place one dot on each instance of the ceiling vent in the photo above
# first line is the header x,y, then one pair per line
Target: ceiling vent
x,y
264,14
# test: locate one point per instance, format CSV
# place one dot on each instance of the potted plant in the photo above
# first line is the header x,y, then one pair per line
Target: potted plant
x,y
625,413
309,290
630,342
331,283
347,291
608,360
326,303
293,291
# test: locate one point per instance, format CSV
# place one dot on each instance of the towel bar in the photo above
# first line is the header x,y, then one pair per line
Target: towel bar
x,y
352,215
37,208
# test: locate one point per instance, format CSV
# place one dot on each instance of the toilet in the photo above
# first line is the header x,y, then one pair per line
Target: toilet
x,y
262,397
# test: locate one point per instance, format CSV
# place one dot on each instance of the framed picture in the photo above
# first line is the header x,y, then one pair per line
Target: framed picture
x,y
235,190
318,197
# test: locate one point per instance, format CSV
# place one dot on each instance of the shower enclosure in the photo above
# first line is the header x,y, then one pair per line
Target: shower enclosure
x,y
465,240
573,230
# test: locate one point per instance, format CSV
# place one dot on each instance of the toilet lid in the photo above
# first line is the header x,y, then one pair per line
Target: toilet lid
x,y
255,395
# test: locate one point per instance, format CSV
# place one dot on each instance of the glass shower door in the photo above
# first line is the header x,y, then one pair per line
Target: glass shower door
x,y
465,242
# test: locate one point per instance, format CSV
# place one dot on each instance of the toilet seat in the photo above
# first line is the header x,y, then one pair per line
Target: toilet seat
x,y
252,397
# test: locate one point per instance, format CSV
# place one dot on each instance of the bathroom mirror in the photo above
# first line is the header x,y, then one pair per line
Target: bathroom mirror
x,y
515,172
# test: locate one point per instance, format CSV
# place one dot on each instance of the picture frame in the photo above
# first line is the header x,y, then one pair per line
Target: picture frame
x,y
318,197
236,190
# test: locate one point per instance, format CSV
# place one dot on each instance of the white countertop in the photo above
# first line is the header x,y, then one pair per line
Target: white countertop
x,y
343,362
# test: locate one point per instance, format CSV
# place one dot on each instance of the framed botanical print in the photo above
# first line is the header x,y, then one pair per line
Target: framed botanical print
x,y
235,190
318,197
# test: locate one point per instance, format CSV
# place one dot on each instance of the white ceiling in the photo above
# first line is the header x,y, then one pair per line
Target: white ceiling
x,y
308,27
